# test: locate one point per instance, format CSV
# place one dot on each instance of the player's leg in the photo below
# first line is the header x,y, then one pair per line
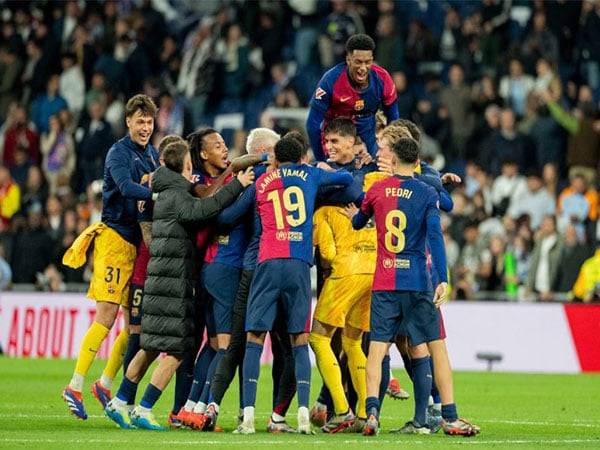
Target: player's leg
x,y
142,416
136,295
101,388
119,408
377,351
184,378
261,314
394,389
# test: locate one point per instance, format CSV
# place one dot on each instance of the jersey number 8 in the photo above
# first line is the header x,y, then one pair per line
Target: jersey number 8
x,y
293,202
395,224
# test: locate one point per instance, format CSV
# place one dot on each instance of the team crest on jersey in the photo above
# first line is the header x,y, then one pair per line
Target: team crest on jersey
x,y
359,105
388,263
141,206
320,93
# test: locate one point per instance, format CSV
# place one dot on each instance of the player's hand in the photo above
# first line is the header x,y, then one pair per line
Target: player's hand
x,y
440,295
451,178
324,166
246,178
350,210
385,165
363,157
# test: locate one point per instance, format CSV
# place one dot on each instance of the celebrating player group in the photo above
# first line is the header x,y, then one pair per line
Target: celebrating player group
x,y
192,244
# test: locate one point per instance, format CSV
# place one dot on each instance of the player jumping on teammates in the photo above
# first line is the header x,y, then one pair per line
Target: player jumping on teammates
x,y
115,240
356,88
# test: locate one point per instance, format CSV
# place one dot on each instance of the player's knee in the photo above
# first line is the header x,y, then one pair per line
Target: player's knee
x,y
299,339
351,332
418,351
316,340
106,313
349,344
135,329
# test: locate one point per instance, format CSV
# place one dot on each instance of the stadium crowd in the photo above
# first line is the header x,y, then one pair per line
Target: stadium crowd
x,y
505,92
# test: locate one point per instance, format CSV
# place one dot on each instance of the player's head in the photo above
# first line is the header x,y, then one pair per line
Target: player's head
x,y
359,57
208,150
288,150
380,123
406,152
140,111
388,137
340,136
169,138
261,140
295,134
412,128
176,156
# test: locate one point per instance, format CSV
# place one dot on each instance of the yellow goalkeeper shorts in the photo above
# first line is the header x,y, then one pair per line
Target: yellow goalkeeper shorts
x,y
346,300
113,266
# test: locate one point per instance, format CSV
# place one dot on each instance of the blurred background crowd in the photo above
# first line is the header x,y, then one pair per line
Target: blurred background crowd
x,y
505,92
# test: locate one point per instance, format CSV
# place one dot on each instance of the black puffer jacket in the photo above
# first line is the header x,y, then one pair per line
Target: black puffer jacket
x,y
167,320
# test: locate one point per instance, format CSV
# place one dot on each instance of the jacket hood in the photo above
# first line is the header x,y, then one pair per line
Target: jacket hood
x,y
164,178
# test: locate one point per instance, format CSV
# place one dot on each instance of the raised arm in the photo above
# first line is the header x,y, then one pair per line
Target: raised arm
x,y
313,129
118,168
233,213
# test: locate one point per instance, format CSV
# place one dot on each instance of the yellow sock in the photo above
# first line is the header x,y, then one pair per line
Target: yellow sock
x,y
87,352
330,370
357,362
115,359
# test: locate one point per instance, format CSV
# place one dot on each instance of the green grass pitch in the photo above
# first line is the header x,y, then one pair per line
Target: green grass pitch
x,y
514,411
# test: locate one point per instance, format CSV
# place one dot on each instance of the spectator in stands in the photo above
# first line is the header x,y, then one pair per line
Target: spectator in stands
x,y
492,269
233,51
95,138
545,260
10,198
169,119
456,97
590,44
32,248
508,186
59,154
5,271
46,105
406,97
338,27
541,42
469,262
35,190
72,84
389,52
54,216
450,39
509,144
576,204
583,149
20,132
587,286
10,69
36,72
516,86
574,253
96,92
552,182
479,146
547,79
536,201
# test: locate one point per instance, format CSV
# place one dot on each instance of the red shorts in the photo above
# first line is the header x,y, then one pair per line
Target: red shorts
x,y
140,266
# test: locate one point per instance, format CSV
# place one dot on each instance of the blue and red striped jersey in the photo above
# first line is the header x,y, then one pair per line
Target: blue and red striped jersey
x,y
335,96
285,200
406,213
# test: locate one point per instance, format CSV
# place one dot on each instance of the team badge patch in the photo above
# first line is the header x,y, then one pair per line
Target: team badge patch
x,y
360,104
141,206
320,93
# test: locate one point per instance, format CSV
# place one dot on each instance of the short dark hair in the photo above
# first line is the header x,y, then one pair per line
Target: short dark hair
x,y
360,42
412,128
140,102
174,155
406,150
168,139
295,134
288,149
196,142
342,126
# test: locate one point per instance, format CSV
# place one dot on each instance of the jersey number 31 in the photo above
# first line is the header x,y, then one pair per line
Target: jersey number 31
x,y
293,202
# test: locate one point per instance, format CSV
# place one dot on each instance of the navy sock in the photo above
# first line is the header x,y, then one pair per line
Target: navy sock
x,y
372,406
302,370
422,385
200,370
133,346
205,396
449,412
183,381
127,391
151,396
385,379
241,384
251,372
434,390
407,364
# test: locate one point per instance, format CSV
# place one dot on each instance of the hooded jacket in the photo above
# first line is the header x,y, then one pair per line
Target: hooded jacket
x,y
167,320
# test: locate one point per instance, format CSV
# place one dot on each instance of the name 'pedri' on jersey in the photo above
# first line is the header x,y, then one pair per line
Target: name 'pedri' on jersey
x,y
285,200
406,213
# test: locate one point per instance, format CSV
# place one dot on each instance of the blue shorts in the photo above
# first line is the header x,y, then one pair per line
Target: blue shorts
x,y
284,283
406,313
221,283
136,294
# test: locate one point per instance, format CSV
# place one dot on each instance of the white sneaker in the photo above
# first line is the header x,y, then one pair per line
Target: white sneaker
x,y
304,422
245,428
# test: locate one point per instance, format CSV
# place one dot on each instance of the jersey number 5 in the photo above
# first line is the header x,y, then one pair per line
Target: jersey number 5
x,y
395,224
293,202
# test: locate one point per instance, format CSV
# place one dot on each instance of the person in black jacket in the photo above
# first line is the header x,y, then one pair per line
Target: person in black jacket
x,y
168,319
